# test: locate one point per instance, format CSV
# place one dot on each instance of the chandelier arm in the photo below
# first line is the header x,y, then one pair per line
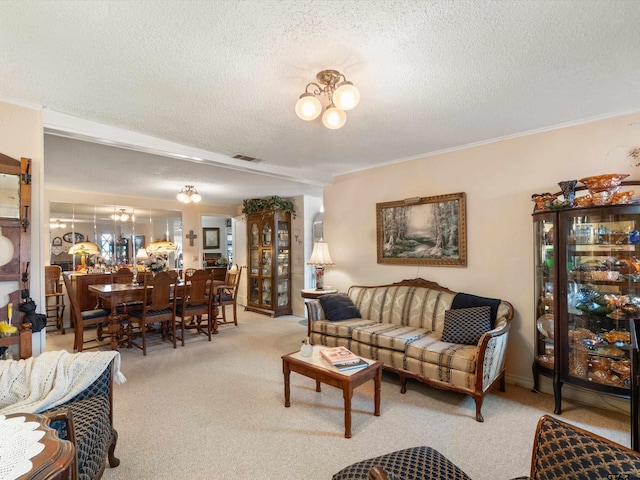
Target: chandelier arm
x,y
316,91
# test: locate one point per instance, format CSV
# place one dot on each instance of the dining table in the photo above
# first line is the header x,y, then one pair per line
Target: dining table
x,y
113,294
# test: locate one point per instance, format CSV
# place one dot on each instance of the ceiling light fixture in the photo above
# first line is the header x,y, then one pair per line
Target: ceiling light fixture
x,y
189,194
121,216
342,95
57,224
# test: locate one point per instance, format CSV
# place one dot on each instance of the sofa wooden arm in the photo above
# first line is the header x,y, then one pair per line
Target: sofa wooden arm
x,y
66,416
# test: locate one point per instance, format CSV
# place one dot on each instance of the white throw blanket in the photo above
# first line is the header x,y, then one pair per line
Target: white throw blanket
x,y
50,379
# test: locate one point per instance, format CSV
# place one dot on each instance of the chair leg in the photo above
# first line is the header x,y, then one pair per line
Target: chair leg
x,y
143,328
235,315
78,338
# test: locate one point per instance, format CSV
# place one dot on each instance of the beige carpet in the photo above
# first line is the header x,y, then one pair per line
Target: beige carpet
x,y
215,410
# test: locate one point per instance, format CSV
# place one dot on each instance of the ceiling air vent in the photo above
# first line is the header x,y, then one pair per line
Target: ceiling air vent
x,y
246,158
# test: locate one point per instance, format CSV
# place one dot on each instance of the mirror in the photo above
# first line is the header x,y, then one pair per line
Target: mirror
x,y
118,231
9,196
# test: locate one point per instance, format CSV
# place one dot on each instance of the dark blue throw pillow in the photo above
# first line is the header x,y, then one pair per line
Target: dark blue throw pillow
x,y
338,306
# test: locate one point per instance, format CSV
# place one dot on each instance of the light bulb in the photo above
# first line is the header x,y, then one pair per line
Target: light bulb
x,y
182,196
195,198
333,117
346,96
308,107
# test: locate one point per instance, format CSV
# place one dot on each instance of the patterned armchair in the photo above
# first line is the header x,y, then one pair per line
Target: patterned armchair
x,y
87,421
561,451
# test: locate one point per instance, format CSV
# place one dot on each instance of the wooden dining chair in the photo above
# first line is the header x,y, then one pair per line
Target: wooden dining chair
x,y
227,295
83,319
193,306
158,307
123,275
54,296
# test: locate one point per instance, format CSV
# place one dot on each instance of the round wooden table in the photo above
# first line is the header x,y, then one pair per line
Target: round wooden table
x,y
57,460
313,293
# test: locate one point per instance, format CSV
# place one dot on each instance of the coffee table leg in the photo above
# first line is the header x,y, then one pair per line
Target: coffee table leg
x,y
317,386
347,393
376,399
287,388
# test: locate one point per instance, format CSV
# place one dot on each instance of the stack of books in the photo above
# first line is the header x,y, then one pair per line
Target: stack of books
x,y
343,359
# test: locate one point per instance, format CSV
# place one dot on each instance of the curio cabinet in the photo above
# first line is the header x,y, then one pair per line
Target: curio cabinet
x,y
587,295
269,278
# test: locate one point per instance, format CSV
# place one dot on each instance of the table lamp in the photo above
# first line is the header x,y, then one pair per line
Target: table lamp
x,y
83,249
320,258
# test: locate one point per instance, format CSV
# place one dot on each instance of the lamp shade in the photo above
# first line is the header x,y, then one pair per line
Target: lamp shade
x,y
308,107
141,253
333,118
161,247
346,96
84,248
320,256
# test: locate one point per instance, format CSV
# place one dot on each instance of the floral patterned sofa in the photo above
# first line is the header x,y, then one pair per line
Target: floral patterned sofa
x,y
420,330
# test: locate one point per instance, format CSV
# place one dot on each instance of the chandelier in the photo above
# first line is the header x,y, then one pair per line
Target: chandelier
x,y
189,194
342,96
121,216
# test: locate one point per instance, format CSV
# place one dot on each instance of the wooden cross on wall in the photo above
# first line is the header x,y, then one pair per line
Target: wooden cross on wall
x,y
191,236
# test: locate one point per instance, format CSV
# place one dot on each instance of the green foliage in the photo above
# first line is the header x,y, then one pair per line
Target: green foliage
x,y
255,205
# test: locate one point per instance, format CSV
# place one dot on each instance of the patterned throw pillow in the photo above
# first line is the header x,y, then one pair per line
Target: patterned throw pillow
x,y
338,306
466,325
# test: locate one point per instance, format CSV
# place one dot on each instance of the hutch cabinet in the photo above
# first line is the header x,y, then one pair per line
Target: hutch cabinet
x,y
587,294
269,254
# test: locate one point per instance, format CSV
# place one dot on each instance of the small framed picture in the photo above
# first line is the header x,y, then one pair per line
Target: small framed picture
x,y
139,240
211,237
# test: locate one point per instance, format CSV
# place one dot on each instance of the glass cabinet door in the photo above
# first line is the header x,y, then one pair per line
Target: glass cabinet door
x,y
602,278
545,290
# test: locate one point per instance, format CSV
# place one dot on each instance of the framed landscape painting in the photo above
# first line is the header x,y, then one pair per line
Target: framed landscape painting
x,y
423,231
211,237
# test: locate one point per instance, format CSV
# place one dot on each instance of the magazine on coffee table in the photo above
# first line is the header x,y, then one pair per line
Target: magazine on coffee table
x,y
335,355
342,358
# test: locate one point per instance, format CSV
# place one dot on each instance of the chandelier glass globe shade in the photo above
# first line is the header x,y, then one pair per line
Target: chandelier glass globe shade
x,y
346,96
333,117
308,107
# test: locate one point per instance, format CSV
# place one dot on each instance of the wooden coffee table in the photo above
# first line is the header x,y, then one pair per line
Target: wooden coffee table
x,y
317,368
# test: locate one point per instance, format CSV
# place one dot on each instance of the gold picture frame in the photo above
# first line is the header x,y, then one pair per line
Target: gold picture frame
x,y
423,231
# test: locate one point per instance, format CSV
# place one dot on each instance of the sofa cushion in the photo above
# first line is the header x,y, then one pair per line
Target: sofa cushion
x,y
338,306
445,356
387,335
466,325
466,300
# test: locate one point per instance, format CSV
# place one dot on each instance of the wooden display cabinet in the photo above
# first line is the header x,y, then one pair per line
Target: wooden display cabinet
x,y
587,294
269,254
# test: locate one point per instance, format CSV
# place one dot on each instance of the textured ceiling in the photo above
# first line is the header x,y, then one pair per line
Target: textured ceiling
x,y
223,77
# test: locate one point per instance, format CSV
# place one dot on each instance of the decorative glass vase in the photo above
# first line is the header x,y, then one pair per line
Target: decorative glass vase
x,y
568,188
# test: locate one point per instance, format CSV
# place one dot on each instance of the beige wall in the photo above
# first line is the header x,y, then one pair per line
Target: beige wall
x,y
21,135
498,179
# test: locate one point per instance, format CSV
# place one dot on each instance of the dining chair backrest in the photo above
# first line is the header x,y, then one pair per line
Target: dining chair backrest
x,y
123,275
157,292
232,278
197,287
174,275
52,275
